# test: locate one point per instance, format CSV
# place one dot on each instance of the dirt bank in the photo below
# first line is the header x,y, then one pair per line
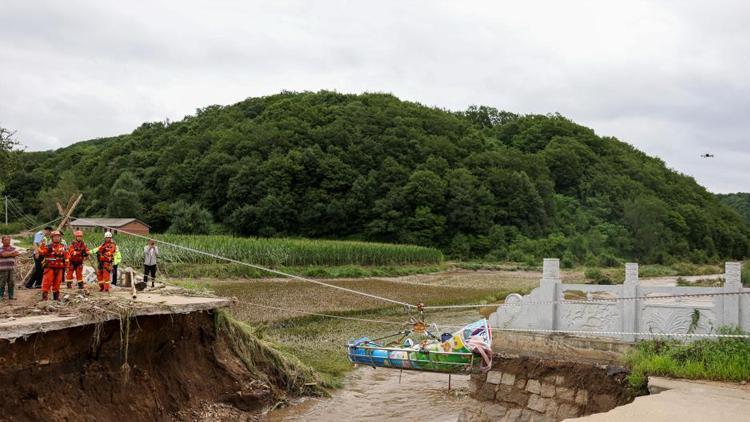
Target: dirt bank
x,y
523,388
173,367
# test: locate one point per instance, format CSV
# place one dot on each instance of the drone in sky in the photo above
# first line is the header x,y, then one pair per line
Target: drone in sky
x,y
707,155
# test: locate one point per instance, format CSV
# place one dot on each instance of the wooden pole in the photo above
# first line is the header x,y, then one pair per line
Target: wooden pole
x,y
69,212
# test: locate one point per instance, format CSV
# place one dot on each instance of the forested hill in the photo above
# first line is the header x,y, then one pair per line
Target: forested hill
x,y
479,183
740,202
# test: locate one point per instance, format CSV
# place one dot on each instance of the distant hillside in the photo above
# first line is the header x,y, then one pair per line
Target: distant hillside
x,y
740,202
479,183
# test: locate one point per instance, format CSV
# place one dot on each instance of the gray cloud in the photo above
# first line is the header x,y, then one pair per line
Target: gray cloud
x,y
669,77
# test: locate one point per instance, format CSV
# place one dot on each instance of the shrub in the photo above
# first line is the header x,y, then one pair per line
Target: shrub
x,y
597,276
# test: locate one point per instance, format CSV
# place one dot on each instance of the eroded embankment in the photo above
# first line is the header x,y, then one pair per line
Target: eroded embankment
x,y
522,388
161,367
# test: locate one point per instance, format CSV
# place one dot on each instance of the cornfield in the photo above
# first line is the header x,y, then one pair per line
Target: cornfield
x,y
276,252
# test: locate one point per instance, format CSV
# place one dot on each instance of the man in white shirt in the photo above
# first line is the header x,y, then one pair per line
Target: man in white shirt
x,y
150,252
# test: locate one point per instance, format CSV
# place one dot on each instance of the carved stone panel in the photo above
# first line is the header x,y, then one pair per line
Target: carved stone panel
x,y
677,320
603,317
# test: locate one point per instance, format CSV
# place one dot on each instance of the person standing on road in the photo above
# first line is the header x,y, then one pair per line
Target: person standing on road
x,y
56,260
42,236
150,252
8,256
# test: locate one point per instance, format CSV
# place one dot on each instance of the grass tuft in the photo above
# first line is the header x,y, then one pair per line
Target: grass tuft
x,y
724,359
279,369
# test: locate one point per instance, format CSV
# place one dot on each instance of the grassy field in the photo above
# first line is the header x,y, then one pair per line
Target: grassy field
x,y
725,359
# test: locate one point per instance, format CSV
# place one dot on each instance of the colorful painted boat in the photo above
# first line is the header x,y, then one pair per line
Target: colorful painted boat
x,y
464,350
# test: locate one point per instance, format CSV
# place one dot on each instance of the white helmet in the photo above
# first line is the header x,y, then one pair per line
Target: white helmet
x,y
107,234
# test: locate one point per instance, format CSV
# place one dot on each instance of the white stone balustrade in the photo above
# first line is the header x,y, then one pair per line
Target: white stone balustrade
x,y
626,317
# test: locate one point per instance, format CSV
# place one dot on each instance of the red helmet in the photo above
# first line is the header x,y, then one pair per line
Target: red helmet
x,y
77,233
56,233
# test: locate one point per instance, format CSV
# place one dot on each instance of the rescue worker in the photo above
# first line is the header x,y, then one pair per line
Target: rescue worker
x,y
78,253
116,264
105,254
56,260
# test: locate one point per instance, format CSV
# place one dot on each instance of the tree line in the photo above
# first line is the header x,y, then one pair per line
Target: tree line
x,y
479,183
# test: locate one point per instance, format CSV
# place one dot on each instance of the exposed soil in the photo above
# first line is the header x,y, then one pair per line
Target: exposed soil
x,y
607,385
173,367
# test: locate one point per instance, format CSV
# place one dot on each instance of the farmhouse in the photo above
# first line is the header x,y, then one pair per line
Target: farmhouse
x,y
130,225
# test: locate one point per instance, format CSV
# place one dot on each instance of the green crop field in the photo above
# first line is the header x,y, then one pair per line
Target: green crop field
x,y
276,252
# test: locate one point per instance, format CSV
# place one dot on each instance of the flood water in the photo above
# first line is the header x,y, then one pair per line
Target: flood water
x,y
376,395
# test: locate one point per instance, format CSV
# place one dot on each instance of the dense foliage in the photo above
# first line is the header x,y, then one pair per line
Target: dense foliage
x,y
478,183
740,202
8,154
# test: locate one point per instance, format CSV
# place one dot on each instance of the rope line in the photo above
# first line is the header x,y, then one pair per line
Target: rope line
x,y
19,213
44,224
325,315
588,302
526,330
257,267
495,328
28,218
14,207
609,333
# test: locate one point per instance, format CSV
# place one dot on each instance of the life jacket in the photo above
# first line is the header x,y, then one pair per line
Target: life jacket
x,y
106,252
78,251
55,255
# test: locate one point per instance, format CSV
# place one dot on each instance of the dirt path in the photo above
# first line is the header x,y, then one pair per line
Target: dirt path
x,y
671,281
376,395
684,401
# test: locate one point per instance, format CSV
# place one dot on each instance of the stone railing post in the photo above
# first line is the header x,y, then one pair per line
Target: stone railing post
x,y
732,283
546,314
630,307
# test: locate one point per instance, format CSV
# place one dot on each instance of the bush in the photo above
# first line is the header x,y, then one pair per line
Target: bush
x,y
567,261
609,260
597,276
592,273
12,228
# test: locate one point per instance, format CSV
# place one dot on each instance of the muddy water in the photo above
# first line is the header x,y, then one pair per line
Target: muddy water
x,y
376,395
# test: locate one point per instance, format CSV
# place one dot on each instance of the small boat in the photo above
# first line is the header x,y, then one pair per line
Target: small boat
x,y
461,351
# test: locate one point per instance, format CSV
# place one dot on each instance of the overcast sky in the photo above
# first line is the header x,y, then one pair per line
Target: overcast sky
x,y
670,77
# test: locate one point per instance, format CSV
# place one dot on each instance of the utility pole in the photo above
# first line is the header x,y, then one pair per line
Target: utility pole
x,y
6,210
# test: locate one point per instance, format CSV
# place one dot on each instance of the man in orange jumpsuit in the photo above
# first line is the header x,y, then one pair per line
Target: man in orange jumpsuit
x,y
56,259
78,253
105,254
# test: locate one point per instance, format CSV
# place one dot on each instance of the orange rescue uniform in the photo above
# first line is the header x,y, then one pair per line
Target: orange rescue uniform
x,y
105,255
56,259
78,252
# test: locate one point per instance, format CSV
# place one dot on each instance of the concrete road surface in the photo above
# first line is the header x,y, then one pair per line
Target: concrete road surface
x,y
684,401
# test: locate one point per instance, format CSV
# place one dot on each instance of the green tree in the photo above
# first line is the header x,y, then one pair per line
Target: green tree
x,y
190,219
8,159
125,197
647,218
